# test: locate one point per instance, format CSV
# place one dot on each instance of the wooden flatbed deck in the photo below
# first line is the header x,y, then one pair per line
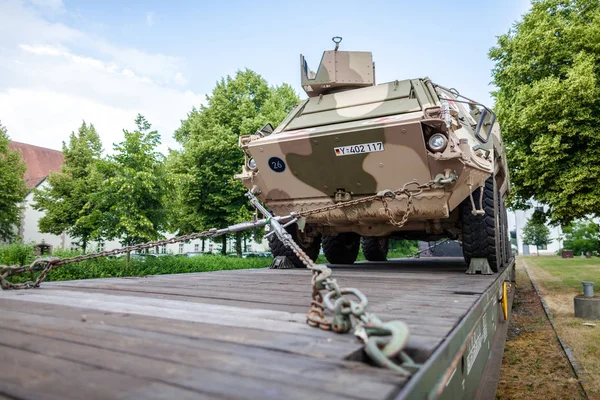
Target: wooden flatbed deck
x,y
226,334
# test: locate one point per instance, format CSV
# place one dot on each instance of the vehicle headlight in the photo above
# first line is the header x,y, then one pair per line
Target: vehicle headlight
x,y
252,164
437,142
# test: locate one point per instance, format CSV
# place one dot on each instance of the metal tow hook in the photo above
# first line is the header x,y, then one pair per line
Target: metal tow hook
x,y
385,341
446,178
386,194
474,210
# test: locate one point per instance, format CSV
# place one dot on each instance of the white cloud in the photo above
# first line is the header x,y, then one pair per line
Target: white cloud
x,y
150,18
53,77
53,115
42,50
179,79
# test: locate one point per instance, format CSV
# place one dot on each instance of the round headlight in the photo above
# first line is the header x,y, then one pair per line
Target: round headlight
x,y
252,163
437,142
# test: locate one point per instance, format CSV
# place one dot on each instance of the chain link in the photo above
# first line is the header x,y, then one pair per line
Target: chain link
x,y
384,196
383,341
45,265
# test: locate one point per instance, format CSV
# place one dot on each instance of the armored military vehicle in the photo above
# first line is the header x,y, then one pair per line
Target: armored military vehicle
x,y
362,163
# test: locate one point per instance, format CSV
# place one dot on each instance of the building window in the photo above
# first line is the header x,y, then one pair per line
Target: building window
x,y
101,245
74,246
163,249
196,247
180,248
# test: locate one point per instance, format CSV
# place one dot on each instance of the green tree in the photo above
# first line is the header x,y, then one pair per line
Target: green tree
x,y
582,236
12,182
66,200
547,70
535,232
208,195
133,195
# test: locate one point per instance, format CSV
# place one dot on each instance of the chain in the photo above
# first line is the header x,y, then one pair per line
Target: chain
x,y
45,265
384,196
429,248
384,341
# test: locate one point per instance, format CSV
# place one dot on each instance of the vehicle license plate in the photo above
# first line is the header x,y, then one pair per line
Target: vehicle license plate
x,y
358,149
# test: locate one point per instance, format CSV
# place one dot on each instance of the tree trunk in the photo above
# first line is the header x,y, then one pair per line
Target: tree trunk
x,y
537,250
238,243
224,245
203,245
245,244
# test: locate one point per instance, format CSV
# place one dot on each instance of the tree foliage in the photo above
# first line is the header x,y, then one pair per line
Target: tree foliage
x,y
535,231
132,197
208,195
582,236
66,199
547,69
12,182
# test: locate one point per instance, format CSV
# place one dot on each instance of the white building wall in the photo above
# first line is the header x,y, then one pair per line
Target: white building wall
x,y
516,222
30,233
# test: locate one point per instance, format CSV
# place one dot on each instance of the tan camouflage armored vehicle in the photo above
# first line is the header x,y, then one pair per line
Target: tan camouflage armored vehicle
x,y
428,162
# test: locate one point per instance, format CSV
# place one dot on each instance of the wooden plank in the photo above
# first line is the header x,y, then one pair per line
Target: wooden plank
x,y
424,338
270,295
284,292
28,375
287,277
328,345
208,286
300,277
453,305
276,321
215,378
186,350
228,316
259,364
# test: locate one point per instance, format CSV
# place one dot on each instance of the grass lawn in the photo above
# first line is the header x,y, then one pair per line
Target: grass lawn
x,y
172,264
559,280
111,268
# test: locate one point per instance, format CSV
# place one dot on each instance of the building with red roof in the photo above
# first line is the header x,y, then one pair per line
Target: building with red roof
x,y
40,162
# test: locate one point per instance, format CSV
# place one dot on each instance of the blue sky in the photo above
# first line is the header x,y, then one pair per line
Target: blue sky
x,y
105,61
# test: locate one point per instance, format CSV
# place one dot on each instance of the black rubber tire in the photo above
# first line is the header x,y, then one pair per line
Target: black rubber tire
x,y
375,248
480,233
341,249
279,249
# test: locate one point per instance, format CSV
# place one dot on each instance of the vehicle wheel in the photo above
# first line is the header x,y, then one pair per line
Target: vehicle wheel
x,y
375,248
310,246
341,249
481,233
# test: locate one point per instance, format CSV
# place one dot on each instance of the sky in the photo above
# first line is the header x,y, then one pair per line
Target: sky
x,y
63,62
